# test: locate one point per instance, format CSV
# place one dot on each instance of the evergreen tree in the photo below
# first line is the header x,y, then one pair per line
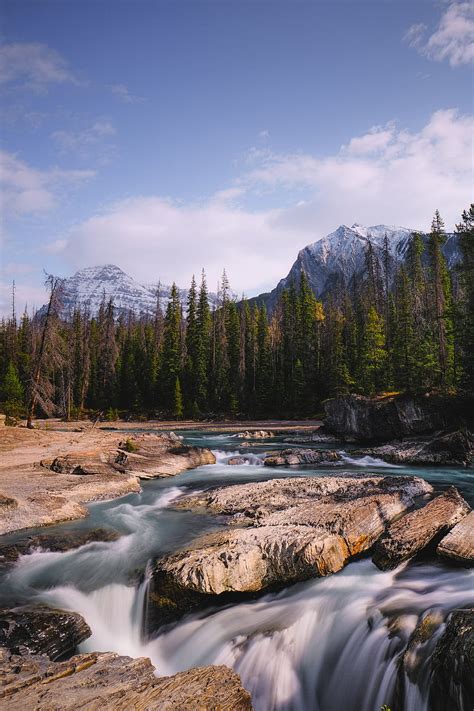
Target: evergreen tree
x,y
466,310
171,355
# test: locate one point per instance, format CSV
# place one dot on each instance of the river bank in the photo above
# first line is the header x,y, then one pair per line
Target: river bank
x,y
355,640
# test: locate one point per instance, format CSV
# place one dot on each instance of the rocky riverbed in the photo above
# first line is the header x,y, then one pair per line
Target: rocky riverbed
x,y
202,569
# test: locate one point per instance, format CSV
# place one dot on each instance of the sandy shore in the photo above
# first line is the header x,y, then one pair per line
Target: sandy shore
x,y
31,494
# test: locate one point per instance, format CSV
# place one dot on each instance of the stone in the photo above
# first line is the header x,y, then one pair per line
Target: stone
x,y
452,668
57,542
37,629
454,448
110,682
289,457
234,461
280,531
153,457
255,434
382,419
458,545
415,531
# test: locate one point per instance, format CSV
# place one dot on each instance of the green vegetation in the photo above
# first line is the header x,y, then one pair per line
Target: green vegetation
x,y
405,327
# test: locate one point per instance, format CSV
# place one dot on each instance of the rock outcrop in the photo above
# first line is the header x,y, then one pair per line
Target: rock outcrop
x,y
37,629
452,670
453,448
282,531
415,531
255,434
111,682
359,418
146,456
57,542
289,457
458,545
319,435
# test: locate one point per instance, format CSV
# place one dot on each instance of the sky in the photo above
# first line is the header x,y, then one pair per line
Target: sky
x,y
167,137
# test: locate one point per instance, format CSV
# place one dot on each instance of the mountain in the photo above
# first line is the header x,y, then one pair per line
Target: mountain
x,y
336,258
330,261
90,286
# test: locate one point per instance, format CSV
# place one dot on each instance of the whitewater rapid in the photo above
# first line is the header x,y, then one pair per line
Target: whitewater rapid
x,y
329,644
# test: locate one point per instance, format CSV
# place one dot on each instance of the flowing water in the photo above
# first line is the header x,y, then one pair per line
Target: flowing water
x,y
331,644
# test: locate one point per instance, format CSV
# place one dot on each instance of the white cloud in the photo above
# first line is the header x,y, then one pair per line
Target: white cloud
x,y
34,65
121,92
389,175
91,144
27,190
27,297
452,40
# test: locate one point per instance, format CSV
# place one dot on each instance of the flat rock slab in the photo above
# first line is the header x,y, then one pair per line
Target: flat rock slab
x,y
412,533
289,457
454,448
111,682
283,531
458,545
38,629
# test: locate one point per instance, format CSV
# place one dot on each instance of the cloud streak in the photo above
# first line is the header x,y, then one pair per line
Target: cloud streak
x,y
453,38
34,65
26,190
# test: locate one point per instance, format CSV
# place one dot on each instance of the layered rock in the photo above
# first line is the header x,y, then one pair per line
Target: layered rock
x,y
37,629
319,435
359,418
146,456
452,671
289,457
454,448
152,456
284,530
57,542
415,531
458,545
111,682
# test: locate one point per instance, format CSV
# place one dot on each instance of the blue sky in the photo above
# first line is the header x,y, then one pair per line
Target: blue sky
x,y
170,136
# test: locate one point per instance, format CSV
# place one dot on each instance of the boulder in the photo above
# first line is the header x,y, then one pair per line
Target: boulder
x,y
153,456
255,434
452,669
58,542
415,531
111,682
283,531
37,629
235,461
289,457
458,545
382,419
453,448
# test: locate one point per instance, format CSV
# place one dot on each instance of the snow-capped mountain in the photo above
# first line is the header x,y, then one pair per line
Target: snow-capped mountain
x,y
340,255
90,286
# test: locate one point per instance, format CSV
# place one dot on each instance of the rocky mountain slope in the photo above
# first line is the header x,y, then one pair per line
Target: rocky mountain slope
x,y
332,260
336,258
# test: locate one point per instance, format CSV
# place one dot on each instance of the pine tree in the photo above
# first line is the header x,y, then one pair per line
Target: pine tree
x,y
171,354
373,353
11,392
441,292
466,311
177,409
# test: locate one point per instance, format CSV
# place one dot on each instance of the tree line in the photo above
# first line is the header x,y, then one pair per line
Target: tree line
x,y
406,327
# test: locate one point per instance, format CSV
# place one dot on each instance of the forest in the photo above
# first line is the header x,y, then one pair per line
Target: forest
x,y
392,329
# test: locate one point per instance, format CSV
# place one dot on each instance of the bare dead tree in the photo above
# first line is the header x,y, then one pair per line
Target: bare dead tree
x,y
41,389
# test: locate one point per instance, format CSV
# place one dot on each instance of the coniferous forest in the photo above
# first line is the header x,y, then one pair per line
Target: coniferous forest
x,y
410,328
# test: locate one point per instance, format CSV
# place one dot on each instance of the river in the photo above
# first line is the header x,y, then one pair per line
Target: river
x,y
328,644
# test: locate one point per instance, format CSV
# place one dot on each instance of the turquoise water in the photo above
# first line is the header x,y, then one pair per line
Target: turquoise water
x,y
323,645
